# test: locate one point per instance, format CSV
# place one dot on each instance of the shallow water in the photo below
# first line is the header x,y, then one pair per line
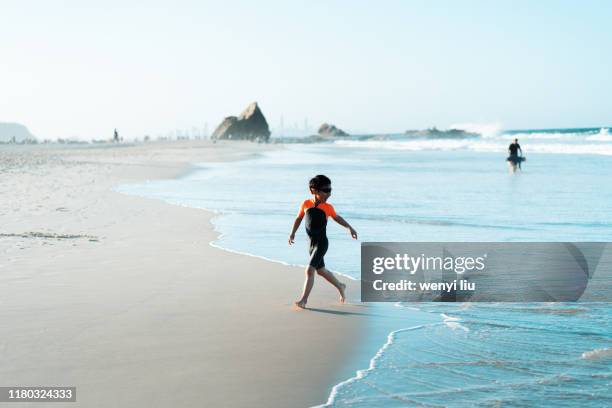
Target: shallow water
x,y
491,355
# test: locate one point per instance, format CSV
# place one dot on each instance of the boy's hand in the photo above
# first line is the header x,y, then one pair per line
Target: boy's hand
x,y
353,233
291,239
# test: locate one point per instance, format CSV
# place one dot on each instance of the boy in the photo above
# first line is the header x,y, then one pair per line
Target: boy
x,y
317,210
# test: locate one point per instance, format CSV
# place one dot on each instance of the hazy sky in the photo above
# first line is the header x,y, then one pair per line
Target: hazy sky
x,y
79,68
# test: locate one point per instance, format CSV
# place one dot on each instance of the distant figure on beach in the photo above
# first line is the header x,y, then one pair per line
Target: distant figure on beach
x,y
116,136
317,210
514,157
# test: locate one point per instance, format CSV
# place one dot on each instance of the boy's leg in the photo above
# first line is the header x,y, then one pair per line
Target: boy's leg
x,y
308,283
333,280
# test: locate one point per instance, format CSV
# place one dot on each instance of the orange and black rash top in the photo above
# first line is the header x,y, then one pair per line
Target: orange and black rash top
x,y
328,209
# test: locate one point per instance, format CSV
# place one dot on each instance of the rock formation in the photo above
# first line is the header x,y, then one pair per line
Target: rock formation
x,y
330,130
15,133
250,125
434,133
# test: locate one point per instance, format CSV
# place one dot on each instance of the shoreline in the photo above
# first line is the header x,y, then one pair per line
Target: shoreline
x,y
118,330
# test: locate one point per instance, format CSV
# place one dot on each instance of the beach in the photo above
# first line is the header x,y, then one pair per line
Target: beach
x,y
159,274
124,298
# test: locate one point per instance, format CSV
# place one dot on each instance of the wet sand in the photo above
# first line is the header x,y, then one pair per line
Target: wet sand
x,y
124,298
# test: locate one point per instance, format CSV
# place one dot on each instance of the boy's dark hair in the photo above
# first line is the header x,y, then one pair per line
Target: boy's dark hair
x,y
319,181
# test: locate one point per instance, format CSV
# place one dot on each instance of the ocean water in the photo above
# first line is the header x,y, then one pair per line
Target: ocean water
x,y
395,188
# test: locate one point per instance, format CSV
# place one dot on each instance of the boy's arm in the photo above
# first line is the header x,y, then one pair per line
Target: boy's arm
x,y
343,222
296,225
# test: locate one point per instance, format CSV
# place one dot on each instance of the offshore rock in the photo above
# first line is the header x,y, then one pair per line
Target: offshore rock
x,y
250,125
331,131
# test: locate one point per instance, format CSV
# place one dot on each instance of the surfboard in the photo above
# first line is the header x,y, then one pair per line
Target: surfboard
x,y
516,159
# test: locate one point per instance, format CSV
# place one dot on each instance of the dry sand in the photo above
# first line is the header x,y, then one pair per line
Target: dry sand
x,y
124,298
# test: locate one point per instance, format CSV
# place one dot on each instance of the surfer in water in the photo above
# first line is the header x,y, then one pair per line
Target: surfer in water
x,y
317,210
514,158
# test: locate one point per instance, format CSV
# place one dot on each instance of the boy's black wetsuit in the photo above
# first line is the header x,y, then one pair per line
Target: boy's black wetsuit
x,y
316,224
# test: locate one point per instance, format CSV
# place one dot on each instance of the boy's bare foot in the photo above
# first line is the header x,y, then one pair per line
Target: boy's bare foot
x,y
301,304
341,290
